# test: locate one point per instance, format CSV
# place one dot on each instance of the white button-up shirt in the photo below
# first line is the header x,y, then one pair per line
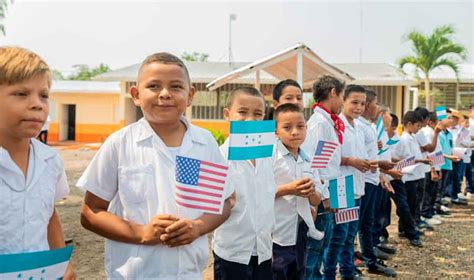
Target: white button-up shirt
x,y
428,131
135,171
353,147
462,139
370,143
407,147
321,127
290,208
28,204
422,141
252,219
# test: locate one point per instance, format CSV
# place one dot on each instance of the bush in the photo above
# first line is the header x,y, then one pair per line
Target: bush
x,y
218,135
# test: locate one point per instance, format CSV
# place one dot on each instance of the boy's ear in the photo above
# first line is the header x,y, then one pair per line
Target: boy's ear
x,y
226,114
333,93
275,104
135,95
191,93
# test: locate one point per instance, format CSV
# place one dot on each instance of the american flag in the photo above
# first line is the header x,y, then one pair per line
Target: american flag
x,y
200,184
347,215
437,158
323,154
406,162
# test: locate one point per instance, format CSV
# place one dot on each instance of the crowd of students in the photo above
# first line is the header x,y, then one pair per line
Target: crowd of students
x,y
276,221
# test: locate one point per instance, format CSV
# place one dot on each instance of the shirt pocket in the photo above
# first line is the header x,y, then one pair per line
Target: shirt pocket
x,y
134,183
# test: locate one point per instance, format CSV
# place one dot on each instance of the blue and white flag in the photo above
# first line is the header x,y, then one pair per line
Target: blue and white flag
x,y
341,192
251,139
380,128
35,265
441,113
387,146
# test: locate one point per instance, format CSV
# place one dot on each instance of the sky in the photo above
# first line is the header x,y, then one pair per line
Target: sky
x,y
121,33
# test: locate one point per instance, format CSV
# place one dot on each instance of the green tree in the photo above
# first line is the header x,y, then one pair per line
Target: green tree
x,y
85,73
57,75
3,13
432,51
195,56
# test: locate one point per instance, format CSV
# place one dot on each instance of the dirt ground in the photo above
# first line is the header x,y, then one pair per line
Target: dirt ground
x,y
448,252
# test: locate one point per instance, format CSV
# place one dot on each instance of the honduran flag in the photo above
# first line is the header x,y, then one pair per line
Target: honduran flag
x,y
441,113
380,128
251,139
35,265
341,192
392,141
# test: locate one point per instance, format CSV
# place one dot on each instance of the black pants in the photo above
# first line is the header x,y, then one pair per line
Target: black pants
x,y
227,270
420,193
383,209
431,190
404,195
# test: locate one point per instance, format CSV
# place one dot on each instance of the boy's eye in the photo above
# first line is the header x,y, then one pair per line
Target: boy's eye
x,y
177,87
21,93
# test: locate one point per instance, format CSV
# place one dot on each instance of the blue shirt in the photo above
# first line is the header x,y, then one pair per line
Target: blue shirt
x,y
445,139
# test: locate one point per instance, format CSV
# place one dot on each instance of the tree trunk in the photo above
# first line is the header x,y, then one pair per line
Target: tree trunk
x,y
428,103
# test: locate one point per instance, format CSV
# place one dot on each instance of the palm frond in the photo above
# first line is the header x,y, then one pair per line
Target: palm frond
x,y
450,63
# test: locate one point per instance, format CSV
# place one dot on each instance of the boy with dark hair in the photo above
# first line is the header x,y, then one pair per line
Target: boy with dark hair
x,y
286,91
324,125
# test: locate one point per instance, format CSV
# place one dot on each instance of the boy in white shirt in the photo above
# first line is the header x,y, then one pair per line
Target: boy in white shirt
x,y
325,125
32,175
131,186
296,192
461,142
353,162
243,244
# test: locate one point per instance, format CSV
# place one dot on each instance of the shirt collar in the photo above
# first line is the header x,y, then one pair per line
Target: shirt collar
x,y
284,151
324,113
365,121
147,132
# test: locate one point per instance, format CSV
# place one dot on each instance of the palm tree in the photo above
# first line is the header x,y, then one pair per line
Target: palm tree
x,y
431,52
3,11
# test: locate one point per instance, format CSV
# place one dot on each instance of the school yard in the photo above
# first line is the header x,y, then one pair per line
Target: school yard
x,y
448,252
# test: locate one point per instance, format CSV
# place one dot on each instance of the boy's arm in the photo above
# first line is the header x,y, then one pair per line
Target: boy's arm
x,y
184,231
315,199
96,218
56,240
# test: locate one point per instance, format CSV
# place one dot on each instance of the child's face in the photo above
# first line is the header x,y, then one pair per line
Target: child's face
x,y
337,101
24,107
163,92
245,107
386,119
354,105
291,129
290,94
391,129
413,128
372,108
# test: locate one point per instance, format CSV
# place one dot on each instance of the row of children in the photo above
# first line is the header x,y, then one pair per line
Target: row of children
x,y
276,221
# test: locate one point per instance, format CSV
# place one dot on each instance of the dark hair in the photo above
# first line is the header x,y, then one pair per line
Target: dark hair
x,y
353,88
370,95
281,86
432,117
243,90
164,58
323,86
423,112
395,120
411,117
285,108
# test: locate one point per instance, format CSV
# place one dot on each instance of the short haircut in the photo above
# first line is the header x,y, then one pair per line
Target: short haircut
x,y
18,65
353,88
423,112
371,95
281,86
285,108
323,86
395,120
243,90
411,117
384,109
432,117
164,58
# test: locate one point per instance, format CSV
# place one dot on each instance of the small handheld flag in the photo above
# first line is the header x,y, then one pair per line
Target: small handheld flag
x,y
437,158
347,215
380,128
441,113
35,265
323,154
200,184
341,192
405,163
392,141
251,139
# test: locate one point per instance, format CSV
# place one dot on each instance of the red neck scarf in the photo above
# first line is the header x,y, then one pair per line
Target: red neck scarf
x,y
338,123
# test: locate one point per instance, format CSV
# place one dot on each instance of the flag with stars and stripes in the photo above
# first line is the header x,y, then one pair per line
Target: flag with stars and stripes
x,y
323,154
251,139
50,264
200,184
341,192
347,215
437,158
405,163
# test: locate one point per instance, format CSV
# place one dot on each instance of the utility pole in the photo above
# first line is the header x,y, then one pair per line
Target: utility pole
x,y
232,17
